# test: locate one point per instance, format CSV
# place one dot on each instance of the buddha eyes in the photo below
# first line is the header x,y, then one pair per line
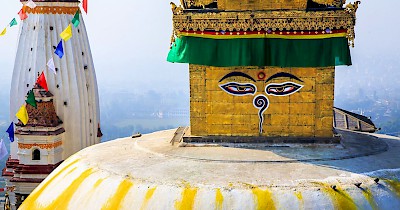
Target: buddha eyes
x,y
282,89
276,89
240,89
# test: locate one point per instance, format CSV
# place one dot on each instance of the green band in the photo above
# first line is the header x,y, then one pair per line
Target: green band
x,y
261,52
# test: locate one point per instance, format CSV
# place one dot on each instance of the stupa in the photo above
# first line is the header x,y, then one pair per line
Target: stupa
x,y
262,75
72,89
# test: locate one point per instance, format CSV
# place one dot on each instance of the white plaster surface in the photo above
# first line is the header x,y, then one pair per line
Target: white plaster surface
x,y
151,162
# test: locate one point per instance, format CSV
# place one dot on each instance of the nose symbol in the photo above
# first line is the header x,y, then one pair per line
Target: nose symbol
x,y
261,103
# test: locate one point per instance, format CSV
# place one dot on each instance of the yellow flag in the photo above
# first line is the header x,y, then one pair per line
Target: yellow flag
x,y
22,115
3,32
67,33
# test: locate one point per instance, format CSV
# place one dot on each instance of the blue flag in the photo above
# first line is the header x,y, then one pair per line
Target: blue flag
x,y
10,132
59,50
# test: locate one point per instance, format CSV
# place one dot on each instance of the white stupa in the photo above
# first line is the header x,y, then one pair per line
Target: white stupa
x,y
74,86
73,91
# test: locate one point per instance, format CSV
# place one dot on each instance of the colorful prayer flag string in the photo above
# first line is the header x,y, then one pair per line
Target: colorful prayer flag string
x,y
67,33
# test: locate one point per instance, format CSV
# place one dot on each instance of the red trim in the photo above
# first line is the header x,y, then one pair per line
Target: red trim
x,y
35,169
227,33
26,180
6,173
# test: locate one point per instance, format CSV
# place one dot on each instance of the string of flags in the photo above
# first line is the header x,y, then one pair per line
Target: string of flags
x,y
22,114
31,4
22,15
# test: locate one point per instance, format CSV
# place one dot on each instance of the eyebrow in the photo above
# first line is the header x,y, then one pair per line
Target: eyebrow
x,y
237,74
283,74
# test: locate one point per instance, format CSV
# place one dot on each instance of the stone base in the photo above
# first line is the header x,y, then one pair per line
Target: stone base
x,y
261,139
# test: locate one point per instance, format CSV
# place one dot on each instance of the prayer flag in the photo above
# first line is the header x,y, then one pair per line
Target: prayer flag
x,y
3,32
67,33
59,50
84,5
51,65
22,14
22,115
31,4
76,21
3,150
10,132
31,99
13,22
42,81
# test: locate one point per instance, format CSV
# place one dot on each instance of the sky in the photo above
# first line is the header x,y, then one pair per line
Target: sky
x,y
130,42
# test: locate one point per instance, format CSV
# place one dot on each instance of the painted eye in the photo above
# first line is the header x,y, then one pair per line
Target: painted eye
x,y
282,89
239,89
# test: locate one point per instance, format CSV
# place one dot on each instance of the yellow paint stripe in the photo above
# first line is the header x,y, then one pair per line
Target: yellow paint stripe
x,y
187,202
300,198
394,185
263,199
147,197
63,200
340,198
271,36
31,199
115,201
219,199
370,198
98,182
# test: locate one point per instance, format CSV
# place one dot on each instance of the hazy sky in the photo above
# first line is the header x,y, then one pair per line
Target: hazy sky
x,y
130,41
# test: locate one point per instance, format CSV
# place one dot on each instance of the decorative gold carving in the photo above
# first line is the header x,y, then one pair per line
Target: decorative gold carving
x,y
51,10
265,20
41,146
336,3
199,3
352,8
175,9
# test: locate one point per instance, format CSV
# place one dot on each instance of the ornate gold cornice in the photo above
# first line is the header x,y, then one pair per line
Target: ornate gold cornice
x,y
267,20
41,146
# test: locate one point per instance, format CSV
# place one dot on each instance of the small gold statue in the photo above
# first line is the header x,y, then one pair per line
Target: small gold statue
x,y
175,9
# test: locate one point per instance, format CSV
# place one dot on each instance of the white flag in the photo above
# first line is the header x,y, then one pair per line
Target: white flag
x,y
31,4
51,65
3,150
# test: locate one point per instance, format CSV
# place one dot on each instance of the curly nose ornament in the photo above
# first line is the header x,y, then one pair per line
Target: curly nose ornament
x,y
261,103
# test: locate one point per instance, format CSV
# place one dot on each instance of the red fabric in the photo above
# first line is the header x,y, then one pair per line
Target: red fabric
x,y
22,14
42,82
84,5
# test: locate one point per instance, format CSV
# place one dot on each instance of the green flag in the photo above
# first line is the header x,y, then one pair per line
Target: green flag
x,y
76,21
31,99
13,22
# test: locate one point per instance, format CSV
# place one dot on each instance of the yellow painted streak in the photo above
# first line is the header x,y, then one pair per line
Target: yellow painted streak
x,y
115,201
264,199
187,201
30,201
370,198
63,200
147,197
98,182
340,198
395,185
272,36
300,198
219,199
